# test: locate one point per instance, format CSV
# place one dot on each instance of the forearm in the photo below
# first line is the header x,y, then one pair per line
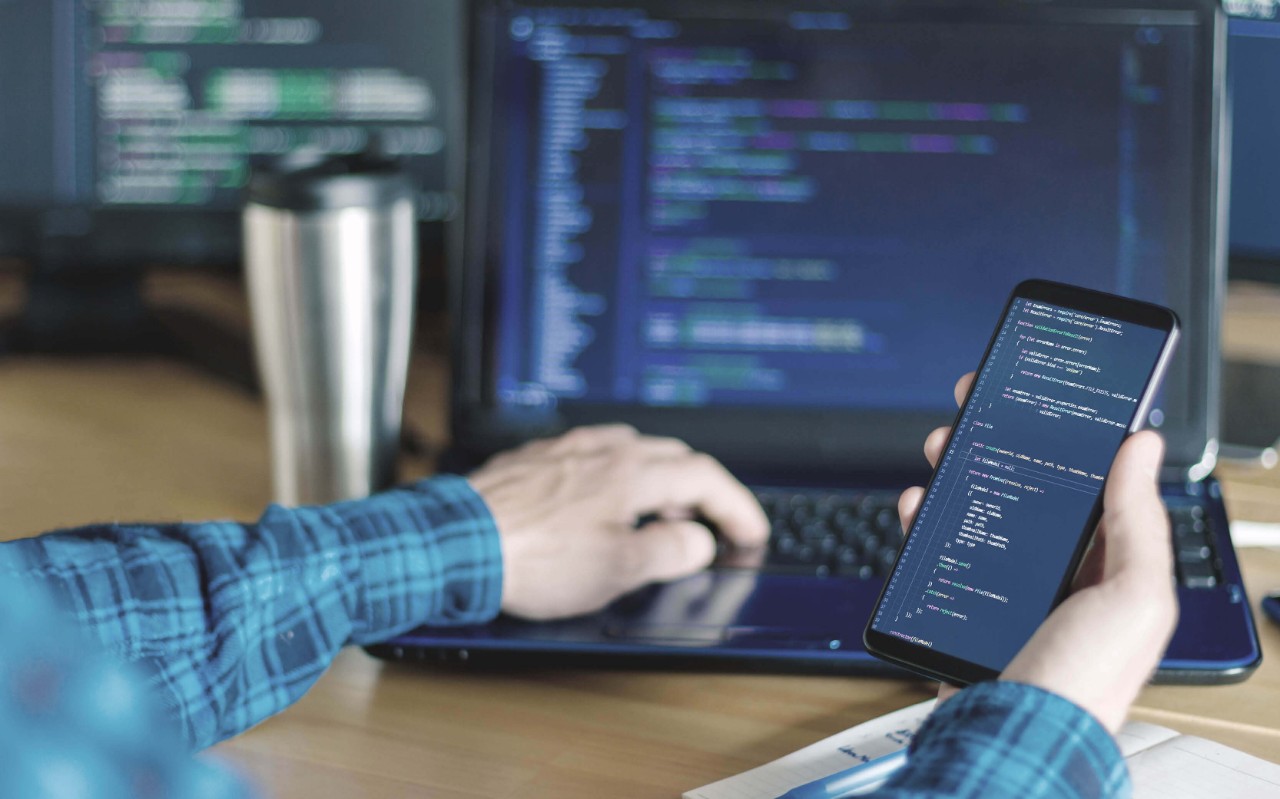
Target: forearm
x,y
234,622
1005,739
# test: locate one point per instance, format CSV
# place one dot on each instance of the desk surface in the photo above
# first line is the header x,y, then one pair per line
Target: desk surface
x,y
126,439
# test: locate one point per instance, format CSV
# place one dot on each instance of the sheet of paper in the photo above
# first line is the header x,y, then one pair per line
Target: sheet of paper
x,y
1194,768
859,744
1255,534
1138,736
1163,763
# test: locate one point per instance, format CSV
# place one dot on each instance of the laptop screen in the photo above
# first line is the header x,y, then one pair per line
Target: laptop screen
x,y
760,207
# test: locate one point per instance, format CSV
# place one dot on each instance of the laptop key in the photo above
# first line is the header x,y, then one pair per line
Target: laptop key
x,y
1199,554
816,531
885,561
1199,574
1194,548
784,543
856,532
801,560
869,505
861,571
827,506
845,518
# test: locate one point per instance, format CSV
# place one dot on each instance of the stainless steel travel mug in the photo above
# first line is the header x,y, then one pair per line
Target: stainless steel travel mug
x,y
330,249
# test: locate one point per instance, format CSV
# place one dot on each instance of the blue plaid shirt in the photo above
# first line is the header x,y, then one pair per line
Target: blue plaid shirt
x,y
217,626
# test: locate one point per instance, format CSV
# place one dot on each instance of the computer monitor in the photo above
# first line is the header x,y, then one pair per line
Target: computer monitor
x,y
1250,423
1254,69
130,127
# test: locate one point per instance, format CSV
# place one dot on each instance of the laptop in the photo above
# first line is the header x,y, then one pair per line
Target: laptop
x,y
780,231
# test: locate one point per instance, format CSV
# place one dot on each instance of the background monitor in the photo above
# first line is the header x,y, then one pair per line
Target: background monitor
x,y
1254,69
129,128
1250,420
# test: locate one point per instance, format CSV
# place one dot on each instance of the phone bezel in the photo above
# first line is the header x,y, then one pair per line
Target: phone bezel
x,y
938,665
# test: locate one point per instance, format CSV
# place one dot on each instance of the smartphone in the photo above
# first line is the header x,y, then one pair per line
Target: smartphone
x,y
1009,512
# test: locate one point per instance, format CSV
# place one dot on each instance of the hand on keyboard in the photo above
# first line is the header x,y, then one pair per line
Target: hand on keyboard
x,y
565,510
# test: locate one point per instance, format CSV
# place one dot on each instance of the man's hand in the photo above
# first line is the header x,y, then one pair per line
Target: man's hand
x,y
1100,646
566,510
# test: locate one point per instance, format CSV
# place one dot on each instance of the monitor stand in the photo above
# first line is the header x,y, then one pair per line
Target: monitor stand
x,y
72,311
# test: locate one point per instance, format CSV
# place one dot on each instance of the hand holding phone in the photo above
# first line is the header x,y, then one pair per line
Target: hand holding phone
x,y
1100,646
1017,492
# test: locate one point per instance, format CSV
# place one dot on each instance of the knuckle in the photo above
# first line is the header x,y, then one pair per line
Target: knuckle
x,y
580,435
617,430
705,463
669,441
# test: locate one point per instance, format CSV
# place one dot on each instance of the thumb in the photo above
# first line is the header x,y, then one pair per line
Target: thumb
x,y
667,549
1137,525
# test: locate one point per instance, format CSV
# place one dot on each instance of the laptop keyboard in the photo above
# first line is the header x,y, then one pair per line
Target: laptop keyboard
x,y
832,535
858,535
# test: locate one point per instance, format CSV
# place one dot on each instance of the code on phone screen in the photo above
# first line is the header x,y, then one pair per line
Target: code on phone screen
x,y
1018,481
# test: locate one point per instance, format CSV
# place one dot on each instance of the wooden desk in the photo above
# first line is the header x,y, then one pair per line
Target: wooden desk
x,y
93,440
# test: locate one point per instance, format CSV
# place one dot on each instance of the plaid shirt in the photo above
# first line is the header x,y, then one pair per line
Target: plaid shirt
x,y
232,623
1005,739
224,625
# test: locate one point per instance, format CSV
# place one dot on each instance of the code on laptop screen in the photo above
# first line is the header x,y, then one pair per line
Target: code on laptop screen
x,y
800,209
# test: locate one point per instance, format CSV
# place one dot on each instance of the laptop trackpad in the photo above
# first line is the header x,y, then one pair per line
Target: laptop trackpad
x,y
743,607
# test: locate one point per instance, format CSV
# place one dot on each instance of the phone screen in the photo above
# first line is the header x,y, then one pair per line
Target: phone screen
x,y
1017,487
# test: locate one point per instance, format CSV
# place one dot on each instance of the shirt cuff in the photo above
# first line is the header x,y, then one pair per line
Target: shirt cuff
x,y
1007,739
427,554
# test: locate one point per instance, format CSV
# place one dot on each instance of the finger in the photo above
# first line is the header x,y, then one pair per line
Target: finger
x,y
1136,521
934,444
592,439
962,387
665,550
698,481
662,446
909,506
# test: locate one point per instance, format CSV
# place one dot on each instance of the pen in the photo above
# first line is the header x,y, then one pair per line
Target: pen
x,y
852,781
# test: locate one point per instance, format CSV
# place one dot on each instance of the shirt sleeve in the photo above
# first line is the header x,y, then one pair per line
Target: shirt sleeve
x,y
232,623
1005,739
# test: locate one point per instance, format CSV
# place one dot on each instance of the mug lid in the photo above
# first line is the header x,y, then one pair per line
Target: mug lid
x,y
309,180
